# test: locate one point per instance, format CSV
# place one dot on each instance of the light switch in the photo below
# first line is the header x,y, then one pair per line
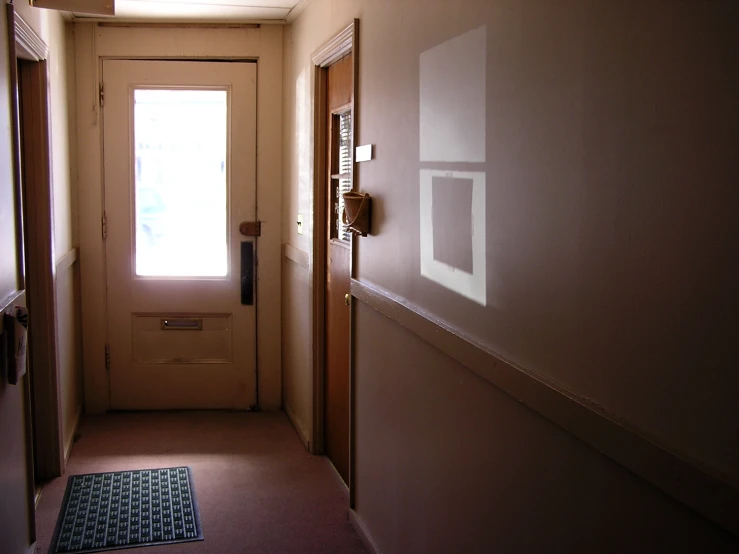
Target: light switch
x,y
300,224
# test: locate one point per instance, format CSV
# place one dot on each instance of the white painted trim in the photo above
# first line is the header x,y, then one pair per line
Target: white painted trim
x,y
297,256
17,296
66,261
29,45
298,425
70,443
336,48
364,534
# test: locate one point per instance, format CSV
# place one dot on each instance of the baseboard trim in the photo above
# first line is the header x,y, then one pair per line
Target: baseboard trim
x,y
364,534
297,424
70,442
709,493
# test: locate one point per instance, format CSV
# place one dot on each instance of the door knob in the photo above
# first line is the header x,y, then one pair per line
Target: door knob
x,y
347,299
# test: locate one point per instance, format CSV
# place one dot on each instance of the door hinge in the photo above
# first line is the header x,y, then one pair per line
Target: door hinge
x,y
107,358
105,226
102,96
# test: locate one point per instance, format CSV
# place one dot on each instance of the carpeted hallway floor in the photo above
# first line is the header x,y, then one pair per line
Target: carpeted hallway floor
x,y
258,489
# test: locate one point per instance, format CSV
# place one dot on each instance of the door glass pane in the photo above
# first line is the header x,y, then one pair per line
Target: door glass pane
x,y
341,172
181,208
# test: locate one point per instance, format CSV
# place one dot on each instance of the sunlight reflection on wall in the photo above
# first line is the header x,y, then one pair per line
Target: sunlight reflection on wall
x,y
452,151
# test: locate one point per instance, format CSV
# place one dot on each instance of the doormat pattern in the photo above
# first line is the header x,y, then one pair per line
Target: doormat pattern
x,y
126,509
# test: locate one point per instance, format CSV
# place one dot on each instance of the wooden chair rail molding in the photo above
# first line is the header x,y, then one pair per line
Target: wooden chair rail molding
x,y
684,480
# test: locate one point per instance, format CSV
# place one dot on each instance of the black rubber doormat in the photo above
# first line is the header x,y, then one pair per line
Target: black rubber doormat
x,y
126,509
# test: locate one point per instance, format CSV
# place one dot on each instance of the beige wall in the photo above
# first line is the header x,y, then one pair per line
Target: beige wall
x,y
297,363
58,36
445,462
609,164
265,45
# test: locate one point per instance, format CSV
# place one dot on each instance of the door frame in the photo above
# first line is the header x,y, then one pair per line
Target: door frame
x,y
33,173
344,42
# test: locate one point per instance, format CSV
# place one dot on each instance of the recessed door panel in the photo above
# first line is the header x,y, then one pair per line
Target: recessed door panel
x,y
177,339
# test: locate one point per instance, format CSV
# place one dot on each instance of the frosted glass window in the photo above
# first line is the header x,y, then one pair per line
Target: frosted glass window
x,y
181,186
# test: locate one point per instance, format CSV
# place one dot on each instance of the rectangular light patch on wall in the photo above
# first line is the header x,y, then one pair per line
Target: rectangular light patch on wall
x,y
453,231
452,97
452,104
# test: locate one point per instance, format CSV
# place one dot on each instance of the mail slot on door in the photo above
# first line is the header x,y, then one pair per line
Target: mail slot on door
x,y
182,324
159,338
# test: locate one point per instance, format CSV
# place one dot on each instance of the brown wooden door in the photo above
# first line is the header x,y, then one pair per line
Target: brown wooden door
x,y
338,254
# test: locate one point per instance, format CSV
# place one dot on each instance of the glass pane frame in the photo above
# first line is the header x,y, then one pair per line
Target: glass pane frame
x,y
194,225
341,176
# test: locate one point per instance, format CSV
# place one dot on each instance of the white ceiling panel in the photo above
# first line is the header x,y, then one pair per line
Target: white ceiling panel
x,y
201,10
289,4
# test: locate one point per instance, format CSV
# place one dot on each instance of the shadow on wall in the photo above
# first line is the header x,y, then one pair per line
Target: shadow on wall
x,y
378,215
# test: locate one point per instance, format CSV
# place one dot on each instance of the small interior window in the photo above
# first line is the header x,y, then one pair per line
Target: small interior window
x,y
341,171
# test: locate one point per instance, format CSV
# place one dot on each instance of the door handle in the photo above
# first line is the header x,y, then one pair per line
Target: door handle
x,y
247,273
347,299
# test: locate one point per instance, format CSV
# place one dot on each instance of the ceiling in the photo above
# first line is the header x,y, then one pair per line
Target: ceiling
x,y
200,10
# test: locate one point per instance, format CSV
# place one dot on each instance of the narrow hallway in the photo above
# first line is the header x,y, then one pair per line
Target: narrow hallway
x,y
258,490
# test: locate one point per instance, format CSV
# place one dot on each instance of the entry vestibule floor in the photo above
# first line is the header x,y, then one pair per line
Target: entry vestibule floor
x,y
257,487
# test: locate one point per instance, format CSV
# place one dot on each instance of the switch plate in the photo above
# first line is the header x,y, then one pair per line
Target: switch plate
x,y
363,153
300,224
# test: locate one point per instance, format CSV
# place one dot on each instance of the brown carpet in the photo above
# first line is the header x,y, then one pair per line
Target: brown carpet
x,y
258,489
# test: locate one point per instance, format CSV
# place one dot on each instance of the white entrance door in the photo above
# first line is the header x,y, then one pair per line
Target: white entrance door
x,y
179,178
